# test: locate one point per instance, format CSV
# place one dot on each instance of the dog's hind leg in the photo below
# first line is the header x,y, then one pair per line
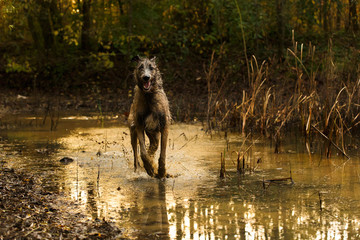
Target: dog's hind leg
x,y
134,147
162,158
154,142
148,162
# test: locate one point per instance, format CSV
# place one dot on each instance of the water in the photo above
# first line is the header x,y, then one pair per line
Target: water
x,y
321,203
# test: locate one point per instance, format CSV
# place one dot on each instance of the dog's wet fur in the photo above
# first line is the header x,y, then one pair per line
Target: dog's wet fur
x,y
150,114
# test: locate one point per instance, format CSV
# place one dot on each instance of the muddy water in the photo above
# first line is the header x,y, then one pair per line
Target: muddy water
x,y
322,202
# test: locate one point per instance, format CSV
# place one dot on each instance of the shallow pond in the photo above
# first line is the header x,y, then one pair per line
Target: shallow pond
x,y
321,202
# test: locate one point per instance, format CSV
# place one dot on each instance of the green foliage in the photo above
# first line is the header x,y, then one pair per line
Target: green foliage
x,y
180,31
100,61
14,66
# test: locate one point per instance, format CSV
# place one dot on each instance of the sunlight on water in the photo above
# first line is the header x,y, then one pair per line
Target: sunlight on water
x,y
195,203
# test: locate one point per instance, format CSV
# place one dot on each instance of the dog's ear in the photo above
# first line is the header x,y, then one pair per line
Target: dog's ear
x,y
153,59
135,59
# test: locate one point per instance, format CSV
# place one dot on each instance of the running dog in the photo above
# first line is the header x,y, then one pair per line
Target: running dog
x,y
150,114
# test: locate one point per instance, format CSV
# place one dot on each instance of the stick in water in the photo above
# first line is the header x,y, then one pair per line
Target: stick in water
x,y
339,149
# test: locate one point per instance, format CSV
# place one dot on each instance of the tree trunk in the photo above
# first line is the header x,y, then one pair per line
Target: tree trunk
x,y
56,18
44,19
121,7
325,16
130,28
338,17
353,19
35,34
280,27
85,30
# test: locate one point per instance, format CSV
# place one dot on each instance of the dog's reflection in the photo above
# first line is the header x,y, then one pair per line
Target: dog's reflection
x,y
152,217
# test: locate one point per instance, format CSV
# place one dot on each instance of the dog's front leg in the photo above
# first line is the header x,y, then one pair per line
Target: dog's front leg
x,y
148,162
134,146
134,138
162,158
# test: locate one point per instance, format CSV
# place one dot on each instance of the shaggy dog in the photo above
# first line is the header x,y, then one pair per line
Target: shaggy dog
x,y
150,114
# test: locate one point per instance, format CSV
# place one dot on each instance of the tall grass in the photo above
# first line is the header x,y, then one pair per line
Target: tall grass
x,y
315,94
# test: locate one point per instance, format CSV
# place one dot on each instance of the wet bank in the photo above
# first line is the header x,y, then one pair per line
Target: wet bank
x,y
28,211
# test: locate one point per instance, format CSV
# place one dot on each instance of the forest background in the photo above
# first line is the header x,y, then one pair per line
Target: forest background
x,y
239,65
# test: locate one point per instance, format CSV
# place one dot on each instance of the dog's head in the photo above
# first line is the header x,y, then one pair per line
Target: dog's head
x,y
147,75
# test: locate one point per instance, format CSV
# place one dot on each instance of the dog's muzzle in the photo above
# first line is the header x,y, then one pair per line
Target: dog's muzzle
x,y
146,82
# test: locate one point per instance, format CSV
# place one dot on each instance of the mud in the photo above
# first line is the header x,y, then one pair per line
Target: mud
x,y
28,211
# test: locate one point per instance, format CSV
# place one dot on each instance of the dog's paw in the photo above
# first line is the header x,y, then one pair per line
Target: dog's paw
x,y
167,175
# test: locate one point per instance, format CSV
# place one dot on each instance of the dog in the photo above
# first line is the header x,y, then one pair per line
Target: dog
x,y
149,113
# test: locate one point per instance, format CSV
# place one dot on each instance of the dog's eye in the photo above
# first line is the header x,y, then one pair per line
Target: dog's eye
x,y
141,67
151,68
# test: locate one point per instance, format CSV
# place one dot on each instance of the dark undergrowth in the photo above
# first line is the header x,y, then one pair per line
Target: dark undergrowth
x,y
28,211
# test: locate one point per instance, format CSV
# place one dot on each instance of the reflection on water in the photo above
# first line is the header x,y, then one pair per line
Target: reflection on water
x,y
195,204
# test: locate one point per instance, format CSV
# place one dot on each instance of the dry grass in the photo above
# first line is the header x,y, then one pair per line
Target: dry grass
x,y
315,94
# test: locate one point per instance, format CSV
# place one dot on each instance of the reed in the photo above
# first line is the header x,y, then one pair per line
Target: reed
x,y
212,75
264,117
246,108
305,86
241,166
313,93
222,166
53,110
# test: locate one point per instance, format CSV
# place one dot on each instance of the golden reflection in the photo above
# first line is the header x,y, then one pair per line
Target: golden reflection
x,y
170,210
196,204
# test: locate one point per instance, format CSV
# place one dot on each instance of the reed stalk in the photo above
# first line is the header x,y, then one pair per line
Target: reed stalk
x,y
243,37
